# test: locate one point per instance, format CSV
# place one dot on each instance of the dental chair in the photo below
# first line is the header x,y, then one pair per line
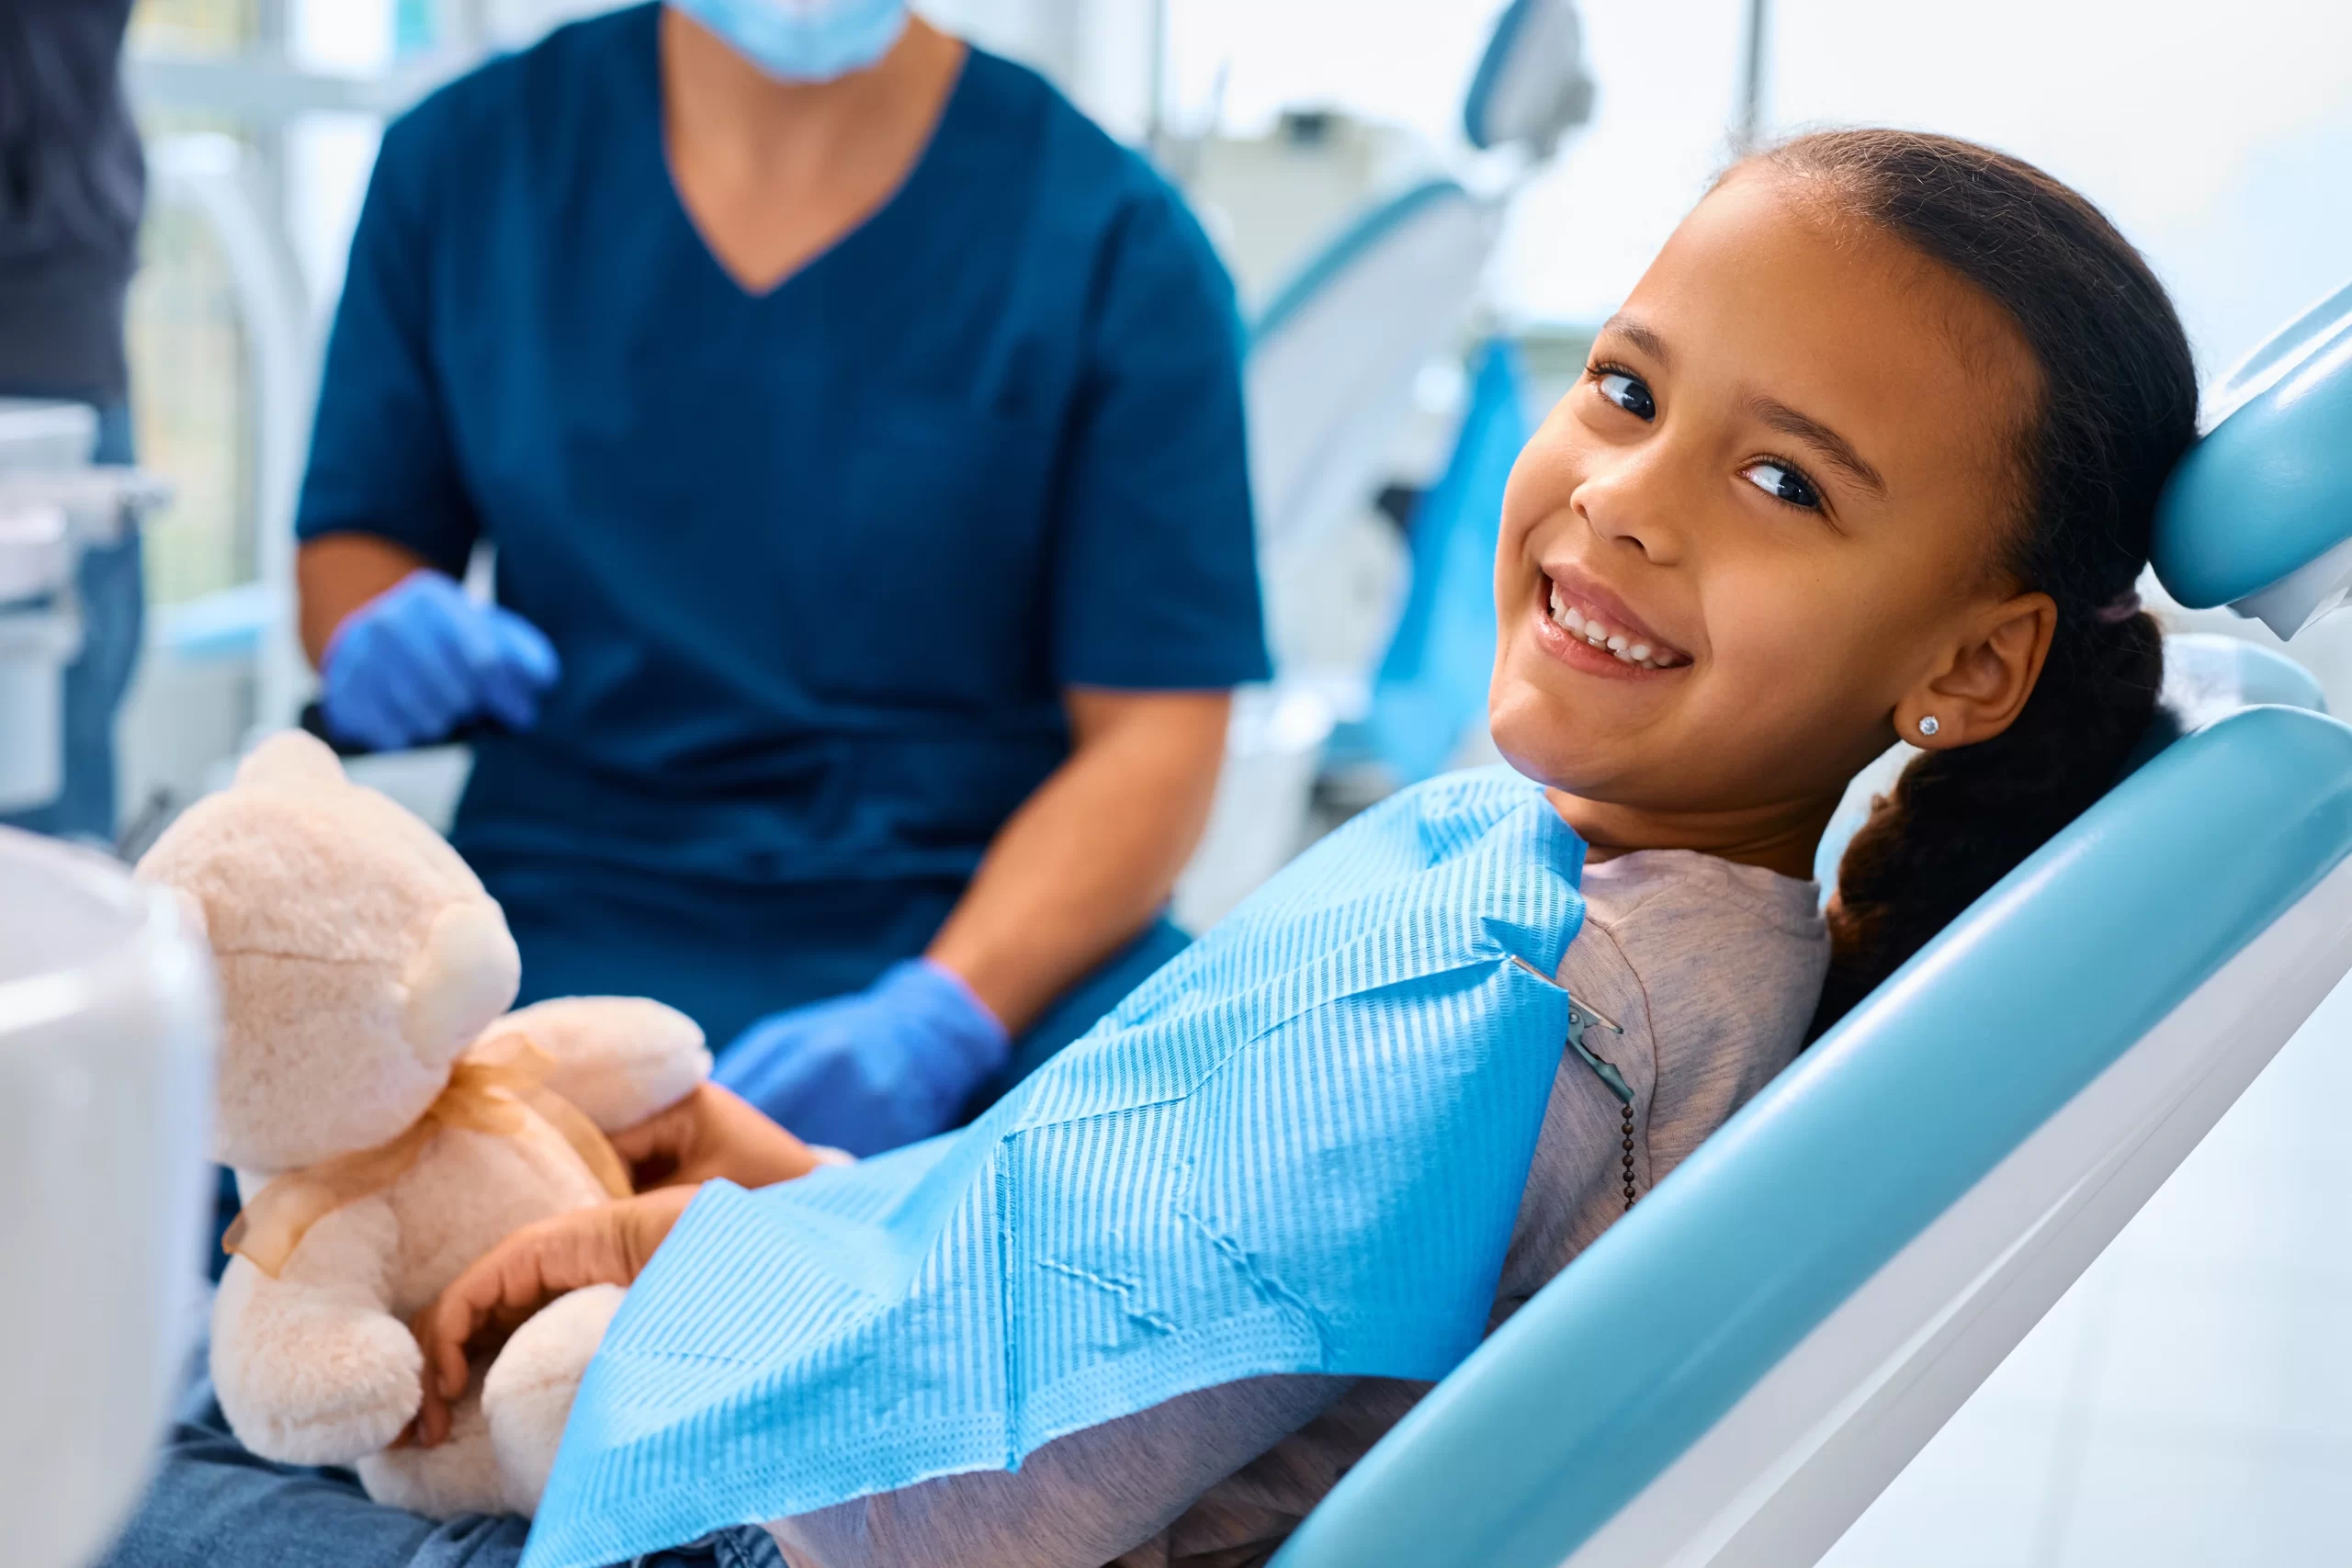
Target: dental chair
x,y
1332,362
1325,399
1430,692
1334,354
1734,1371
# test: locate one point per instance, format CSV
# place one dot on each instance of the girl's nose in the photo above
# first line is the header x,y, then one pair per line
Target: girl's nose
x,y
1628,498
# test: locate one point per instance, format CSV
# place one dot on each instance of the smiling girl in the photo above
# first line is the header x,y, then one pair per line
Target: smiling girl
x,y
1869,454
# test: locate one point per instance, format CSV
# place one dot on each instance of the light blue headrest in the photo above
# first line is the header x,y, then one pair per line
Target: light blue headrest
x,y
2259,513
1531,87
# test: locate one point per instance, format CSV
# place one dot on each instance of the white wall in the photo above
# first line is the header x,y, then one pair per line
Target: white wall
x,y
2218,136
1098,51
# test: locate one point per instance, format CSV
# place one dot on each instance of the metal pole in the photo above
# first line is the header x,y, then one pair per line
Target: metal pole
x,y
1751,102
1155,128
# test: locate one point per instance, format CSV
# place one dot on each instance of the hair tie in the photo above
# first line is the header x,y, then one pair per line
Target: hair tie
x,y
2117,611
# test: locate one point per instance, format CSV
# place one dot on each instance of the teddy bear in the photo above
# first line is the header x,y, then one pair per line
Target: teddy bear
x,y
389,1122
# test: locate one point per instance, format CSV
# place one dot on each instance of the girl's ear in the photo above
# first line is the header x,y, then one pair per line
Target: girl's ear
x,y
1981,685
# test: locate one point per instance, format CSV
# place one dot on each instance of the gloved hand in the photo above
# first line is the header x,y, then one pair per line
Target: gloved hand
x,y
421,659
868,1072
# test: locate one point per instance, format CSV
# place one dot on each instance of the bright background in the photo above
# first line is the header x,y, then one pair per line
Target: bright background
x,y
2218,136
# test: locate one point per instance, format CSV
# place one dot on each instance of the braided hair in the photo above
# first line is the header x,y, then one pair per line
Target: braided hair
x,y
2117,406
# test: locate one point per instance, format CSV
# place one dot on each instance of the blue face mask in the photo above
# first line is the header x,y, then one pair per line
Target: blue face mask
x,y
804,40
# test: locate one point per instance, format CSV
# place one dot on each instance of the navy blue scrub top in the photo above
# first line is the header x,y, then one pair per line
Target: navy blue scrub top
x,y
819,563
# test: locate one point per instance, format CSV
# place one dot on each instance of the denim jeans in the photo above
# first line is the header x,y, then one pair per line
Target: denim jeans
x,y
212,1505
113,600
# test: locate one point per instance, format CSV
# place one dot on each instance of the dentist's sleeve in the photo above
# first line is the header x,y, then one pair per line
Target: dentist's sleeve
x,y
383,460
1080,1502
1155,568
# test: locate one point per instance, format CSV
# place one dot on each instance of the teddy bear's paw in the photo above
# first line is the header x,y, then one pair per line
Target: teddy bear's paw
x,y
457,1476
528,1391
619,1059
313,1387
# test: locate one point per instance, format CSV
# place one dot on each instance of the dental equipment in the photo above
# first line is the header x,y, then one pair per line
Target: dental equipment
x,y
106,1027
1333,359
54,503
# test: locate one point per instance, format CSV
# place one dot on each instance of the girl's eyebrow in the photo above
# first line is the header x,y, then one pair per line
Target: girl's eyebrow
x,y
1833,447
1641,337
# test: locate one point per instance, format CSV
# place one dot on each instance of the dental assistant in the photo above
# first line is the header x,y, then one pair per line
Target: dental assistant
x,y
858,432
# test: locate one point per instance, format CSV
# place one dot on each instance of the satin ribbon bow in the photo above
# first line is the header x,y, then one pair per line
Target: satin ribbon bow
x,y
498,1087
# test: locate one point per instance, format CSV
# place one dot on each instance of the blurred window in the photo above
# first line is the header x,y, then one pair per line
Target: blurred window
x,y
192,398
269,75
196,27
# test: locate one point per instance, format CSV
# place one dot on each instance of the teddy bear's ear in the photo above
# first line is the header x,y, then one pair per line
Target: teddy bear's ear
x,y
291,759
464,976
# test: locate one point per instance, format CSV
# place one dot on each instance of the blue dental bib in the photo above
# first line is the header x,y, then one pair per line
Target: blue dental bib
x,y
1299,1148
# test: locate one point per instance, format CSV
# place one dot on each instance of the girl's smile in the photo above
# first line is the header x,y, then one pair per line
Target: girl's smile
x,y
1587,628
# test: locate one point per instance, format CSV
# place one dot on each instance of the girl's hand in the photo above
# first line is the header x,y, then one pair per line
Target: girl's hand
x,y
608,1245
712,1134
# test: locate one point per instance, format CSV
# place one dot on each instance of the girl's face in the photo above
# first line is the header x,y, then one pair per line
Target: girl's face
x,y
1776,499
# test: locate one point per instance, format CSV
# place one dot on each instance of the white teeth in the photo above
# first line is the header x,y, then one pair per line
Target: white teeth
x,y
1595,631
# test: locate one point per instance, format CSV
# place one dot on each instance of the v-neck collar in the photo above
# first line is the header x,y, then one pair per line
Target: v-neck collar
x,y
902,194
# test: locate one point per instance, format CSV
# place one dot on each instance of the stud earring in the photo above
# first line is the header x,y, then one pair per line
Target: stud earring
x,y
1928,724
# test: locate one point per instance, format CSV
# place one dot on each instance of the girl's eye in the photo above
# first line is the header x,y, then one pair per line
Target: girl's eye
x,y
1783,483
1627,394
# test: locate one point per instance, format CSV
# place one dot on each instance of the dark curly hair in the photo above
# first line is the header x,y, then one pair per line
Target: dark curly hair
x,y
2117,407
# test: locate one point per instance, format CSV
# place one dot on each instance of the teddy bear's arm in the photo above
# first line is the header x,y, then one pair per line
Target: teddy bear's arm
x,y
621,1059
311,1367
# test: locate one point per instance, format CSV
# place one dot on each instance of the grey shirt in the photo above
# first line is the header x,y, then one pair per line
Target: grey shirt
x,y
72,184
1709,969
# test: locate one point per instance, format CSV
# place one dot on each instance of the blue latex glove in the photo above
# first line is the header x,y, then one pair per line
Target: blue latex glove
x,y
420,658
888,1065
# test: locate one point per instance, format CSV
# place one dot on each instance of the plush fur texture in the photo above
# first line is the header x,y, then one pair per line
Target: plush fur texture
x,y
359,959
